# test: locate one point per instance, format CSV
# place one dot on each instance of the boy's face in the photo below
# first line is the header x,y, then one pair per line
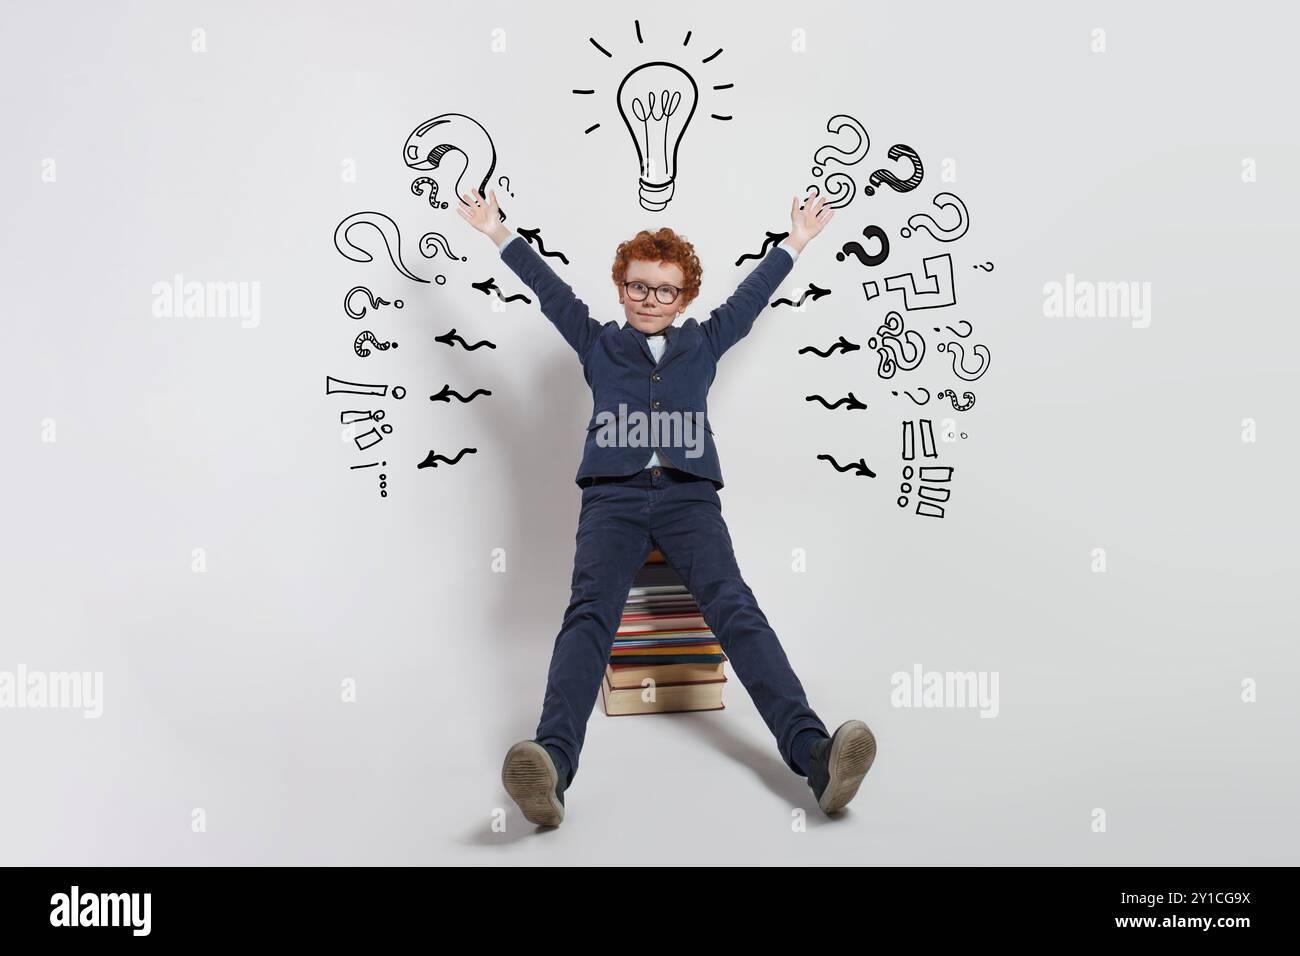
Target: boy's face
x,y
652,316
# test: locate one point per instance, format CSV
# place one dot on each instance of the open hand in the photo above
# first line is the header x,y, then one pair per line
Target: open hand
x,y
482,214
809,220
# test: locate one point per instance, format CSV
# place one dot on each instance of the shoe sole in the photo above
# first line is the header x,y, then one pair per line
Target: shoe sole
x,y
852,754
530,778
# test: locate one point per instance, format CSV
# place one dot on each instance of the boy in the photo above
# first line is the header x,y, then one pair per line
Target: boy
x,y
635,499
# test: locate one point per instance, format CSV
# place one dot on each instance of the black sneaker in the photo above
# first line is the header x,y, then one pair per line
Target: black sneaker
x,y
531,779
838,763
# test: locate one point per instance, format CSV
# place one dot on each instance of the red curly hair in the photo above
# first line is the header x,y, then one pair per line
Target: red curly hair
x,y
662,245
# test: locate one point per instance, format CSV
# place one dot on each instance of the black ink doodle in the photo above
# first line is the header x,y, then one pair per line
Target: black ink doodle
x,y
431,460
375,302
446,394
885,177
926,428
653,95
861,254
961,335
839,186
489,286
897,347
913,397
504,183
428,182
984,266
938,269
534,236
359,344
383,479
772,239
388,231
431,243
852,402
348,417
434,138
939,474
843,345
922,221
451,338
958,354
812,290
859,467
372,437
335,386
967,400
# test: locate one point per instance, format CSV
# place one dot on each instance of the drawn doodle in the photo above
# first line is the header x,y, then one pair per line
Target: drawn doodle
x,y
958,354
984,266
926,428
967,399
434,138
922,221
843,345
913,397
812,290
357,415
887,178
489,285
772,239
359,344
661,98
534,237
961,335
451,338
504,183
428,182
938,270
867,259
431,243
374,300
373,437
387,230
431,460
897,347
335,386
840,185
852,401
446,394
858,467
383,479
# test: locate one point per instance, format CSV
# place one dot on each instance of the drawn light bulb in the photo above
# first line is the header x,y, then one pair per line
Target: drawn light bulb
x,y
657,101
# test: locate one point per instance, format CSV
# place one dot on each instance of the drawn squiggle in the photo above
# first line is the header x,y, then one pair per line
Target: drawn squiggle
x,y
388,230
898,348
359,344
959,360
859,467
967,403
843,345
431,460
852,401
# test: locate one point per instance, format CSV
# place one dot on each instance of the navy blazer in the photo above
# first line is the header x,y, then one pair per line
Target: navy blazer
x,y
621,369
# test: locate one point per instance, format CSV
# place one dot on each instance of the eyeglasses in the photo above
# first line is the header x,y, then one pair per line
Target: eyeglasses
x,y
639,291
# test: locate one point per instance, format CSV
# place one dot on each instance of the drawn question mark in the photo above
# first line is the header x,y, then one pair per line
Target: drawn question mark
x,y
827,153
855,249
375,302
987,266
505,182
433,242
922,221
887,178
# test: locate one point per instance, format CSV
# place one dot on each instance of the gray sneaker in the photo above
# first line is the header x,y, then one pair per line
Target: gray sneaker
x,y
531,779
838,764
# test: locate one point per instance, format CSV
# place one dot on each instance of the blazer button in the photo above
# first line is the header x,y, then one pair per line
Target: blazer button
x,y
655,403
654,377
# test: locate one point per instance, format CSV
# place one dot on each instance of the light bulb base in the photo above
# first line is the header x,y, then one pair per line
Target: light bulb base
x,y
656,196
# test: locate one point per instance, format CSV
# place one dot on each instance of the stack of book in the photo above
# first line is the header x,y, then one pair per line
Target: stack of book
x,y
665,659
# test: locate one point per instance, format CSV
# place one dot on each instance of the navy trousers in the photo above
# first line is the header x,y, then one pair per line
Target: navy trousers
x,y
621,521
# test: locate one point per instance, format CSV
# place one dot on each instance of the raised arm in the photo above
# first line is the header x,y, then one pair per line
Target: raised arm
x,y
731,321
555,298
